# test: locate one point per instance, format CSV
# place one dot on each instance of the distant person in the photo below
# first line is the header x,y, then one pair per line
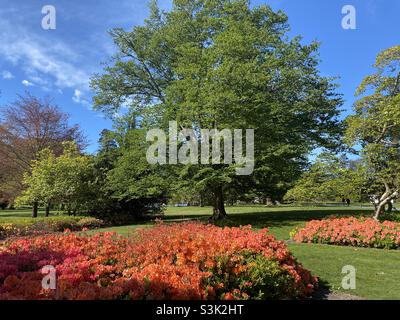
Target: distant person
x,y
343,201
348,202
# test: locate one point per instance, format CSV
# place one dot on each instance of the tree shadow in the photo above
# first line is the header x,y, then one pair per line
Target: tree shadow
x,y
286,218
269,218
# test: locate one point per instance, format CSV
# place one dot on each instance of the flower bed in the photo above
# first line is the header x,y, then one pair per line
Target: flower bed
x,y
362,232
39,226
182,261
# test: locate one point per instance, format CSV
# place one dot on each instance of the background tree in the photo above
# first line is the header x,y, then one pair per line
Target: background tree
x,y
375,127
221,64
125,187
132,183
62,181
28,126
330,178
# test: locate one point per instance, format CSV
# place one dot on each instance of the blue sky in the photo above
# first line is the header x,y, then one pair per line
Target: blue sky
x,y
58,63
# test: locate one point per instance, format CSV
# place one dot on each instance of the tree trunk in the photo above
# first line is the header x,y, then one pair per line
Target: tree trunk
x,y
218,205
389,207
383,201
378,210
47,210
35,209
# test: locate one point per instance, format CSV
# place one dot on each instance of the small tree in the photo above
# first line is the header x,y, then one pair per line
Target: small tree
x,y
63,180
376,127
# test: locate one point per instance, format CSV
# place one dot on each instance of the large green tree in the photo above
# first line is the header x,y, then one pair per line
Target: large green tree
x,y
220,64
375,127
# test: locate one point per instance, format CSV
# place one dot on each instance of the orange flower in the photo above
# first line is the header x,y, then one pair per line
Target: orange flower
x,y
177,261
365,232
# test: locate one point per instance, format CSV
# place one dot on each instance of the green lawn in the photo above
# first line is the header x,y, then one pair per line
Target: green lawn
x,y
18,214
279,220
378,270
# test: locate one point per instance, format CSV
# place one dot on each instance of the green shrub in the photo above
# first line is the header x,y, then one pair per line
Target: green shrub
x,y
262,278
29,226
269,280
392,216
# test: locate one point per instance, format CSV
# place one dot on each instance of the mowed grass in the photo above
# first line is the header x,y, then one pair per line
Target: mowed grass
x,y
279,220
377,270
19,215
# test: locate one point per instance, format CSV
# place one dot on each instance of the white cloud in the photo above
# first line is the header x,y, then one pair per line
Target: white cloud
x,y
38,80
7,74
39,59
27,83
77,97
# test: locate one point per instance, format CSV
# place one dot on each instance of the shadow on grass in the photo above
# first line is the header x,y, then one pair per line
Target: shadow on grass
x,y
324,292
25,213
272,218
276,217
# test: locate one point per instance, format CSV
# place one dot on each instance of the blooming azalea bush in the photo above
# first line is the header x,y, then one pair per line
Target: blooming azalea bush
x,y
181,261
360,232
39,226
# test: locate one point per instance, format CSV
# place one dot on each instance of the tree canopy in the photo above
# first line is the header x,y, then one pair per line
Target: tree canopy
x,y
59,181
220,64
329,178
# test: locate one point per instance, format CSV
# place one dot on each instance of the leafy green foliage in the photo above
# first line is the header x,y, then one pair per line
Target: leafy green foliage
x,y
39,226
329,178
62,181
126,186
132,177
376,127
222,65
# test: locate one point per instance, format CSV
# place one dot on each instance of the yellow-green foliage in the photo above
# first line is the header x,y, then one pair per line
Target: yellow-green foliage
x,y
58,180
28,226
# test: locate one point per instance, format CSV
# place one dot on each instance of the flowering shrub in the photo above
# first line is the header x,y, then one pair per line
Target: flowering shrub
x,y
182,261
362,232
89,223
47,225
